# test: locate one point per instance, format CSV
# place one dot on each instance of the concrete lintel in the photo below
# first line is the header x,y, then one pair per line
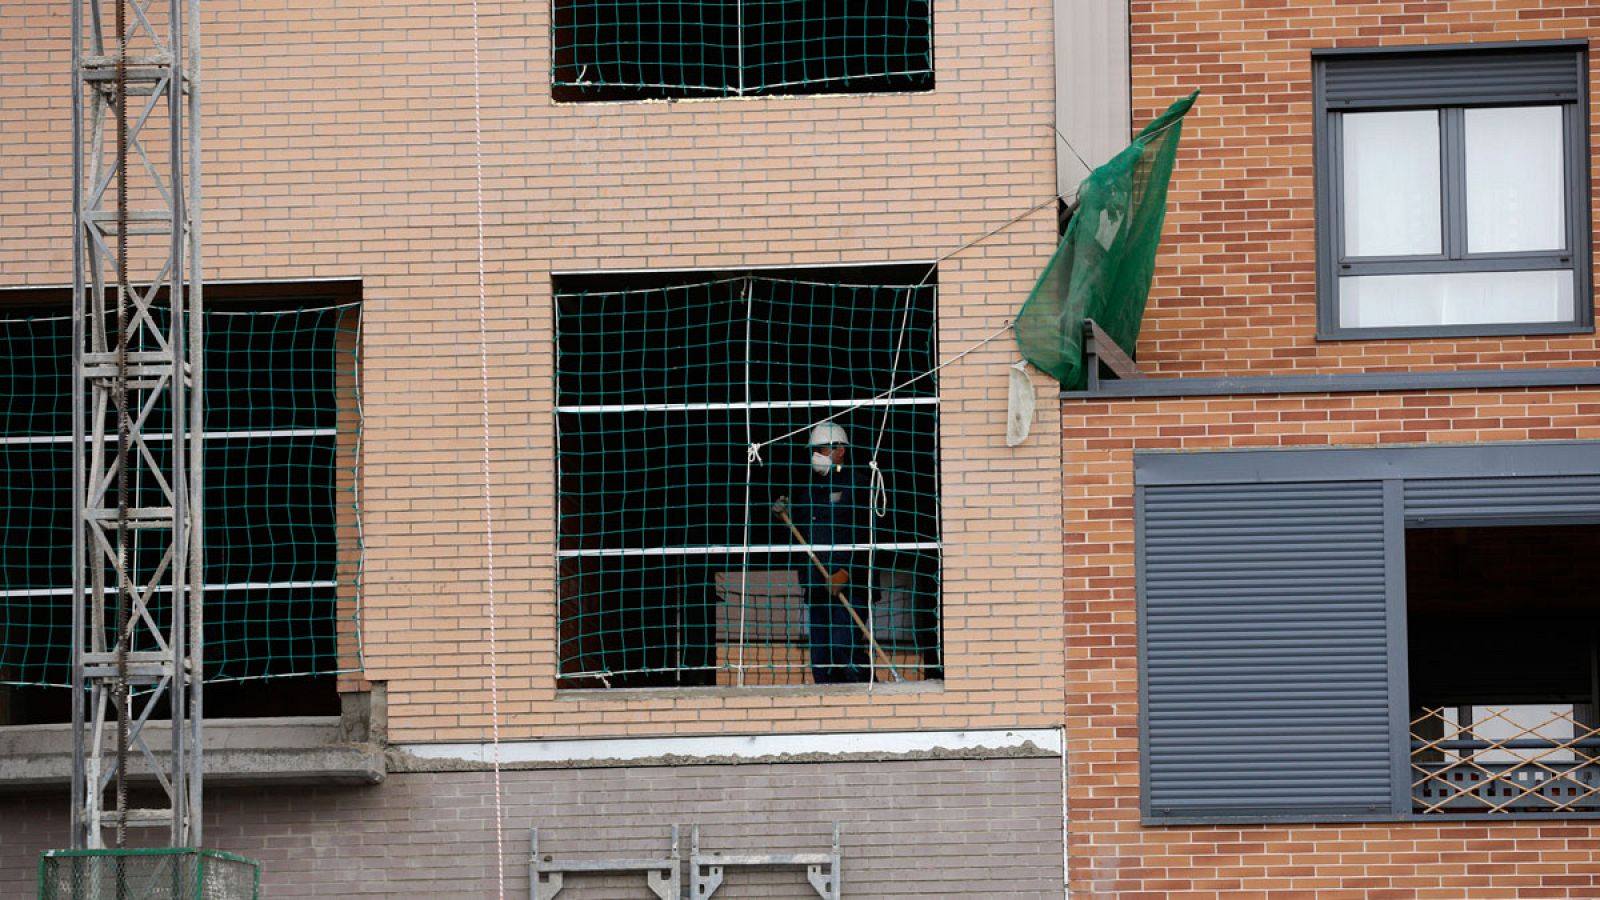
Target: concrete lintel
x,y
297,750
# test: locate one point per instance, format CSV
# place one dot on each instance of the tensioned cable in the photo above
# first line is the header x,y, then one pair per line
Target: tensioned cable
x,y
754,451
488,494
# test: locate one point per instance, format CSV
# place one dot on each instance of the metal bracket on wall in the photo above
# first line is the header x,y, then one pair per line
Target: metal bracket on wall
x,y
1100,350
546,876
706,870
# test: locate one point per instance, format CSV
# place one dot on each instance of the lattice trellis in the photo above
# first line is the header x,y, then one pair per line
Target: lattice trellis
x,y
1549,766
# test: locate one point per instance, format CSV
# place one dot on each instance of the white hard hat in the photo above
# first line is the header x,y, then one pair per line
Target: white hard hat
x,y
828,433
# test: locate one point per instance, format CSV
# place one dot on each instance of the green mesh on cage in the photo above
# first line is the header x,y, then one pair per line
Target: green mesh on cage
x,y
634,49
673,567
282,533
153,874
1103,266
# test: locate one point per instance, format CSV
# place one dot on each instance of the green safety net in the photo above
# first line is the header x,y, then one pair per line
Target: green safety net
x,y
1102,268
281,531
684,414
177,873
637,49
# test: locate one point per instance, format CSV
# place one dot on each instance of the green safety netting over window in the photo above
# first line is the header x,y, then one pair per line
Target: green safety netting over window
x,y
282,534
638,49
685,411
1102,268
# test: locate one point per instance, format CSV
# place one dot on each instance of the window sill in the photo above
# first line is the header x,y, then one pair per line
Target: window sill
x,y
590,695
1429,332
290,750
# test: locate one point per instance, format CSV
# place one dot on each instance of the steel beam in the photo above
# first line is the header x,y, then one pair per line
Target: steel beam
x,y
137,581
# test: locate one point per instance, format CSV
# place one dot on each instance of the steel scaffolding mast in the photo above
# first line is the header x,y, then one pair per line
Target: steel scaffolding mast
x,y
136,592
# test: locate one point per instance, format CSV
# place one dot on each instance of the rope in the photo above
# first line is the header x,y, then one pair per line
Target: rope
x,y
125,589
749,463
753,453
488,496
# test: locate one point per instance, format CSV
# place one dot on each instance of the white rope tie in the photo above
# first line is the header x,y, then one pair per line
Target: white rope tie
x,y
878,491
488,497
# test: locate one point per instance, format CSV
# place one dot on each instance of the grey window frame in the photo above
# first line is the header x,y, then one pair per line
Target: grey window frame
x,y
1417,493
1451,78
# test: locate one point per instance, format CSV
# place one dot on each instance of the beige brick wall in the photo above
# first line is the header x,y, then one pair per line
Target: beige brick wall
x,y
339,142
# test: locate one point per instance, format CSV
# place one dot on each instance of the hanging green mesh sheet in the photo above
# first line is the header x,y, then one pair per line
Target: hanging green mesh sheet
x,y
281,527
1102,268
673,567
637,49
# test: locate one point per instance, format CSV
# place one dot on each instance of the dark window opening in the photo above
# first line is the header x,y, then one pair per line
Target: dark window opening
x,y
674,568
722,48
1504,668
281,539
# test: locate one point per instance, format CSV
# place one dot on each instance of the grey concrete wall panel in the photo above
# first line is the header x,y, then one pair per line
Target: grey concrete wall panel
x,y
1265,650
1093,110
969,827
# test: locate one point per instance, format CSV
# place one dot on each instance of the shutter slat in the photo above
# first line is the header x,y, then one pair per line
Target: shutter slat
x,y
1505,499
1266,649
1372,81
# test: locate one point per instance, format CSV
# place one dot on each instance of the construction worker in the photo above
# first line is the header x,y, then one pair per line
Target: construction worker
x,y
831,512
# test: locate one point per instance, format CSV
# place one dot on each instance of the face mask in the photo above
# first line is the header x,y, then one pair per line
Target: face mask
x,y
821,463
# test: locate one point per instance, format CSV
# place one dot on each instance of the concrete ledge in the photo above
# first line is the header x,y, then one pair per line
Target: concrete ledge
x,y
726,749
296,750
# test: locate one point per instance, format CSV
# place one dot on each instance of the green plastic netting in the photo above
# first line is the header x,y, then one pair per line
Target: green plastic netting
x,y
673,567
282,532
1102,268
636,49
154,874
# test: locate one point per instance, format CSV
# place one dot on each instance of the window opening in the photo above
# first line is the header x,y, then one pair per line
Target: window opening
x,y
724,48
1452,195
675,568
1504,661
282,536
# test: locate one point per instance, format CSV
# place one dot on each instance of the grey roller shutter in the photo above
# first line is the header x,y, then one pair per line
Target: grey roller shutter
x,y
1265,650
1435,78
1502,501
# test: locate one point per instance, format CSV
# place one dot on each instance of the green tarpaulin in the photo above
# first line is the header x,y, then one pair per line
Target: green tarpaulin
x,y
1102,268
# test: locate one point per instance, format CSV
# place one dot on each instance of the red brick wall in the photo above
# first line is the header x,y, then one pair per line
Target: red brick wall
x,y
1235,288
1112,854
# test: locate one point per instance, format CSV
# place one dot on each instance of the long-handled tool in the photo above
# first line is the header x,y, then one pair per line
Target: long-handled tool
x,y
780,508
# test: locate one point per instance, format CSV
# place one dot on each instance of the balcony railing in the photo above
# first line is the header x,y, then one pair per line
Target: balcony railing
x,y
1498,763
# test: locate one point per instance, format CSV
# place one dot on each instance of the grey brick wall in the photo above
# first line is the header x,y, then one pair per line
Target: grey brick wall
x,y
925,828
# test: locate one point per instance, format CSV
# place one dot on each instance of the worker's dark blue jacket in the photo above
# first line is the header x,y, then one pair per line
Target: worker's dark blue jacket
x,y
832,511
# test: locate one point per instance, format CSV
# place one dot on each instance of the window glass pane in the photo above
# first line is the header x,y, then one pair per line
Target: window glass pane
x,y
1516,180
1455,298
1391,183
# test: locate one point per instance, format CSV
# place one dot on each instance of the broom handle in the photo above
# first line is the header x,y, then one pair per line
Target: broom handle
x,y
838,592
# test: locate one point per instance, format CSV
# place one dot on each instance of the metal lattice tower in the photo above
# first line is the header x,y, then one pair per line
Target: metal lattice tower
x,y
136,415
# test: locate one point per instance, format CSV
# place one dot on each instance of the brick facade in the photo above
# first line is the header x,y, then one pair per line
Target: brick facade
x,y
930,828
1113,855
1235,294
1235,288
339,143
